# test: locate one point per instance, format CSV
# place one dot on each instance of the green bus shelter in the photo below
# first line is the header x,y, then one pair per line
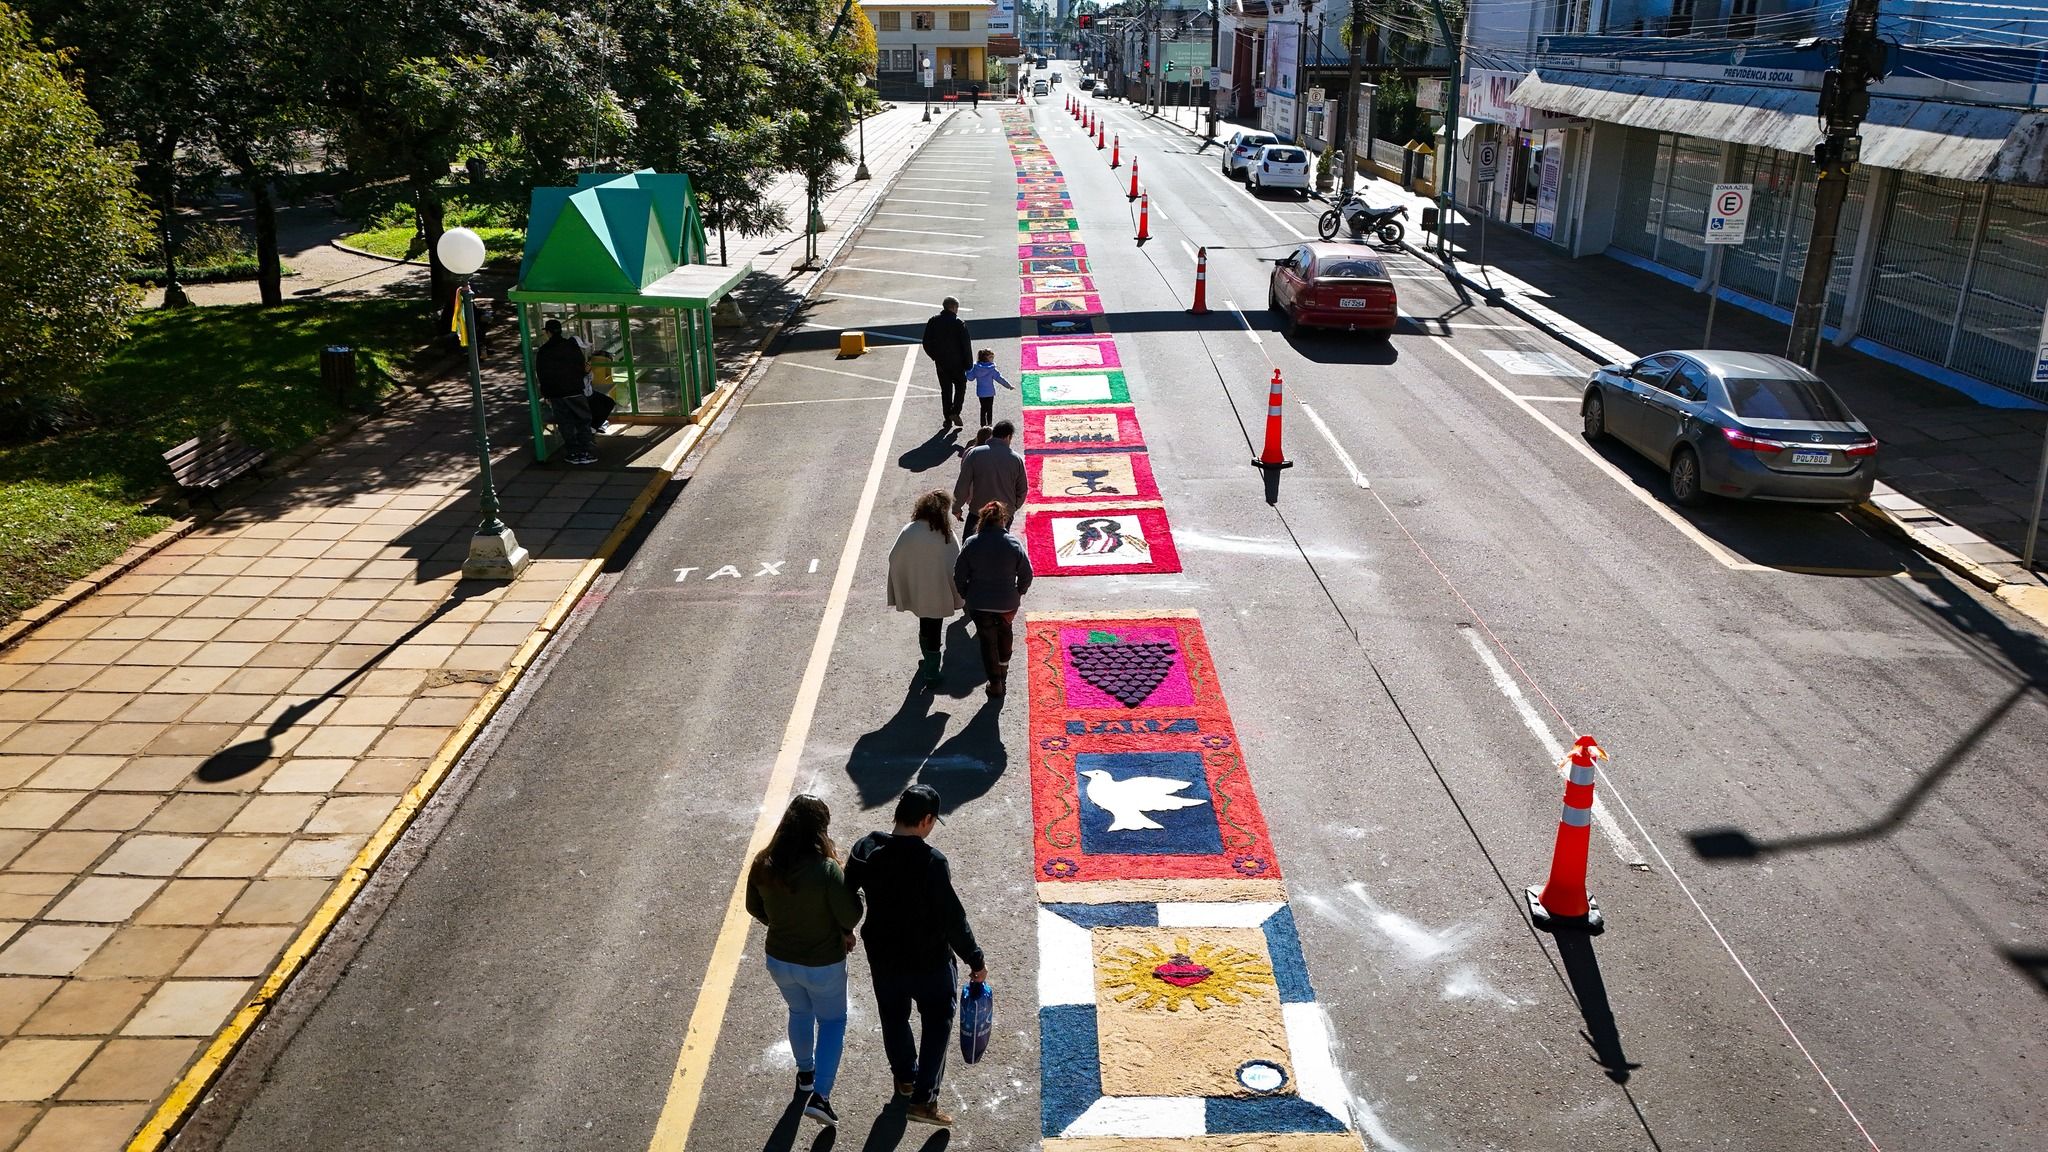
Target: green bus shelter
x,y
620,261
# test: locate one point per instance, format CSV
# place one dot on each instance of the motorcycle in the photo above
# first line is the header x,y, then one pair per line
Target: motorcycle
x,y
1361,218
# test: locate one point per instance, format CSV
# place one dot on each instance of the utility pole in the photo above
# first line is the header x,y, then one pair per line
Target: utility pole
x,y
1208,86
1447,190
1844,101
1348,131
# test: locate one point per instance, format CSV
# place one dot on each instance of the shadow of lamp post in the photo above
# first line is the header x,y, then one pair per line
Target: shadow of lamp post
x,y
494,553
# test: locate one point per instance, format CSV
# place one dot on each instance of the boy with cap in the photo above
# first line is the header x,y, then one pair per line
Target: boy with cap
x,y
915,927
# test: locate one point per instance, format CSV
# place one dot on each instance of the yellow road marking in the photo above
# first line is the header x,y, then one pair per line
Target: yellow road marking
x,y
700,1038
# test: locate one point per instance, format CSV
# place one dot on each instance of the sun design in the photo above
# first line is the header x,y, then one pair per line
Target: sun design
x,y
1203,974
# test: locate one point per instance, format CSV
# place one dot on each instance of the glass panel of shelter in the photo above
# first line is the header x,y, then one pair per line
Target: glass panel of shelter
x,y
633,352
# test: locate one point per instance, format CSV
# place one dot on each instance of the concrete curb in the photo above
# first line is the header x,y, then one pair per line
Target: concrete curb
x,y
168,1116
369,255
51,607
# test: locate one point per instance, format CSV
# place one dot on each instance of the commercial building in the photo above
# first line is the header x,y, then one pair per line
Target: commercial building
x,y
953,35
1612,120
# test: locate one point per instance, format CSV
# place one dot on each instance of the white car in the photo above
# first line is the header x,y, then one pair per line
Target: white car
x,y
1242,148
1279,166
1041,88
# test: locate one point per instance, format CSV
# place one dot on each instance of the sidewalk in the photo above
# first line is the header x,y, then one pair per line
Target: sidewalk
x,y
202,761
1954,475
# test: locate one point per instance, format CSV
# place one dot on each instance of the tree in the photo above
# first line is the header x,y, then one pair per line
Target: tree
x,y
255,115
74,220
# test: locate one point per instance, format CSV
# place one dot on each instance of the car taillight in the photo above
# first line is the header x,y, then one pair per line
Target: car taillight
x,y
1737,438
1866,448
1265,165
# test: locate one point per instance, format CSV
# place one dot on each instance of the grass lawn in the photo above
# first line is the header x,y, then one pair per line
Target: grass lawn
x,y
500,244
72,503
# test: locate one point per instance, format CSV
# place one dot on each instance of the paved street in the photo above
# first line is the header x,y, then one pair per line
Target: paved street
x,y
1445,589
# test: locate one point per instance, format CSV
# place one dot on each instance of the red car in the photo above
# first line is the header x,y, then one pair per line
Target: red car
x,y
1334,286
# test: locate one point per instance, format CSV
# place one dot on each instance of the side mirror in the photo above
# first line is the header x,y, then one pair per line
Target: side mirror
x,y
1626,371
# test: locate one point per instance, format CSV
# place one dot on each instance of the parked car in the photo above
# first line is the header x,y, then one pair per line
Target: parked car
x,y
1333,286
1242,147
1087,83
1737,424
1279,166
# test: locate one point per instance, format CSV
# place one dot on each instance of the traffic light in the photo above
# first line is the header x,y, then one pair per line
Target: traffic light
x,y
1087,21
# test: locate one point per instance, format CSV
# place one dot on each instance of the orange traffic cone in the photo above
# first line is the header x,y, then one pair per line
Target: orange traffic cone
x,y
1116,154
1145,218
1101,138
1201,307
1562,904
1134,179
1271,457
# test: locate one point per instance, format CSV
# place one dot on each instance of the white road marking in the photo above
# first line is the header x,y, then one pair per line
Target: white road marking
x,y
1552,399
1624,848
924,232
871,334
1350,466
1297,233
919,275
970,253
954,191
927,216
1520,363
914,200
1188,248
1432,322
833,371
714,992
1232,305
886,300
820,400
1578,444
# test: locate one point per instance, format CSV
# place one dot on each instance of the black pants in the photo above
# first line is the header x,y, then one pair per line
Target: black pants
x,y
993,630
928,634
952,391
988,410
572,419
932,989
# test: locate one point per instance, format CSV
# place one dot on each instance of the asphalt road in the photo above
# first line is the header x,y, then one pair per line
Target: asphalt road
x,y
1400,657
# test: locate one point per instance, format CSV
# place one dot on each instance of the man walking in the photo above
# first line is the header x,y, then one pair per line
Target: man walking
x,y
945,341
992,471
915,927
560,364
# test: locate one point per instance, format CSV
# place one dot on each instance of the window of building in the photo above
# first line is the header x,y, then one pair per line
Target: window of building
x,y
2002,310
1679,23
1741,19
901,60
956,22
922,22
891,22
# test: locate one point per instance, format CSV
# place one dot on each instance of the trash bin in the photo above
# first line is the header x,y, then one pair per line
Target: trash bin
x,y
1429,213
338,372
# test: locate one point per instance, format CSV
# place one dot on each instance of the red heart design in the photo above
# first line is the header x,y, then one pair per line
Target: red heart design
x,y
1182,972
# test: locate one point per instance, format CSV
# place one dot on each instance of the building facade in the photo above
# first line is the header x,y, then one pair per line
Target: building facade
x,y
953,35
1613,119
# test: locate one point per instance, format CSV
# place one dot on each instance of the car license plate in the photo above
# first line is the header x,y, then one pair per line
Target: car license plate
x,y
1812,457
1351,302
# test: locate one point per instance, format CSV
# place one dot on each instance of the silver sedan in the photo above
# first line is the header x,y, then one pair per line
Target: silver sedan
x,y
1736,424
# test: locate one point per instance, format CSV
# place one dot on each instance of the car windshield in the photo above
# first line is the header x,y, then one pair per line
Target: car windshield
x,y
1777,398
1353,269
1283,155
1255,141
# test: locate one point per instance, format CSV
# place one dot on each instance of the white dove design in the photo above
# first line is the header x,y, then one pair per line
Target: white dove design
x,y
1127,801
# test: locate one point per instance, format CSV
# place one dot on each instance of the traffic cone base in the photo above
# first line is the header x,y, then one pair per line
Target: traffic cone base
x,y
1592,923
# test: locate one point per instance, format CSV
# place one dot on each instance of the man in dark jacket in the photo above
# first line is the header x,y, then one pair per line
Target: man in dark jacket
x,y
915,926
992,471
560,365
952,353
992,575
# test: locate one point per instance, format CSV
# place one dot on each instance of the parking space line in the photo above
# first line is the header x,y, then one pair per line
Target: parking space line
x,y
954,191
1706,543
972,252
830,295
893,199
924,232
928,216
919,275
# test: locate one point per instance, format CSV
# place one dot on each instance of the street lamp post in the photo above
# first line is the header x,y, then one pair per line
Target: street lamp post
x,y
494,552
925,74
861,173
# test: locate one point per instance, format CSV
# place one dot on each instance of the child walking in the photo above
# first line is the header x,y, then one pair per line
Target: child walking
x,y
985,377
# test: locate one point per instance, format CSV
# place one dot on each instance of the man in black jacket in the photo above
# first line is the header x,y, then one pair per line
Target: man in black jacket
x,y
561,366
952,353
915,926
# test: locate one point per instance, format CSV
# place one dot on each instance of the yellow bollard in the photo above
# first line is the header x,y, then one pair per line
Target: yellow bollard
x,y
852,344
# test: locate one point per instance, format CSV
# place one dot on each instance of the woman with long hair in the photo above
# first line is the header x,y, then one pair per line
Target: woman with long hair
x,y
921,575
795,887
992,575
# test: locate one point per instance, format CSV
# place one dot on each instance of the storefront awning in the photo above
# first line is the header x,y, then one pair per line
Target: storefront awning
x,y
1465,126
1960,141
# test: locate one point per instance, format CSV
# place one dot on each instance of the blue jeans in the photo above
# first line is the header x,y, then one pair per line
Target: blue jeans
x,y
817,1017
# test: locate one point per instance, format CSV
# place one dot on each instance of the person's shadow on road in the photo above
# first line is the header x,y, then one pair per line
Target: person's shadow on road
x,y
782,1138
889,1128
883,762
930,454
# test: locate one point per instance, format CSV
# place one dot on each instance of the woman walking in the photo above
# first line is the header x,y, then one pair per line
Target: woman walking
x,y
921,575
795,887
992,574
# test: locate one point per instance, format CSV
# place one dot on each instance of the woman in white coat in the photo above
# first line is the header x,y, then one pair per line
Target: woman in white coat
x,y
921,574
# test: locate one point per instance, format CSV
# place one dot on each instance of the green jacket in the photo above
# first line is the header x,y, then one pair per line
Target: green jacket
x,y
807,916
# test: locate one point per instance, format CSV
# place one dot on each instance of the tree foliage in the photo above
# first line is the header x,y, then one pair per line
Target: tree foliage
x,y
73,219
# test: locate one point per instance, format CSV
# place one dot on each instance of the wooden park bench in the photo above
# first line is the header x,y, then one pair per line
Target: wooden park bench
x,y
210,460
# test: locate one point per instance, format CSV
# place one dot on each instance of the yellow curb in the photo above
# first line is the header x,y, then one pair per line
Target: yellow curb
x,y
1976,573
170,1114
2028,601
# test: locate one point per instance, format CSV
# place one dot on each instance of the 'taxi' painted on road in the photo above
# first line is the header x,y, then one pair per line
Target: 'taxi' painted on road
x,y
1175,1008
